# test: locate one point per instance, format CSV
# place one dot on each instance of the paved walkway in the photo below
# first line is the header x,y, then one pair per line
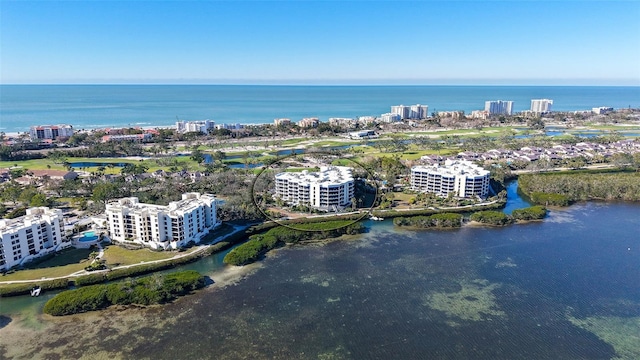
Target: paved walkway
x,y
198,249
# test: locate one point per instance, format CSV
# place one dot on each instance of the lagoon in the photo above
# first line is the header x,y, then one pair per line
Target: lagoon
x,y
566,287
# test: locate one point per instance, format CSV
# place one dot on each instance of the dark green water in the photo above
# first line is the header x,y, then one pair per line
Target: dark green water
x,y
565,288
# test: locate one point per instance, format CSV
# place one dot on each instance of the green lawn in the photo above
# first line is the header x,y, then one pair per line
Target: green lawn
x,y
293,141
223,230
64,263
34,164
611,127
116,255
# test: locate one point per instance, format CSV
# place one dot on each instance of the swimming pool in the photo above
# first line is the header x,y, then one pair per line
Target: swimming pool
x,y
88,236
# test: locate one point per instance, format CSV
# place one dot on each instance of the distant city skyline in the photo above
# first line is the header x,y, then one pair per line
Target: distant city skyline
x,y
320,42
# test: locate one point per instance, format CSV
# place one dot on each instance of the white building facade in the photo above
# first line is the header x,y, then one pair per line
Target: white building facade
x,y
413,112
541,106
460,177
418,111
602,110
499,107
282,122
50,131
202,126
330,189
162,227
309,123
390,117
401,110
37,233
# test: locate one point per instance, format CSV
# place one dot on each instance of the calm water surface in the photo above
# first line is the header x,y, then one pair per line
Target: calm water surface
x,y
100,106
565,288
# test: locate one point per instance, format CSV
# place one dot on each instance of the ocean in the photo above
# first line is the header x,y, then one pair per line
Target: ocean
x,y
100,106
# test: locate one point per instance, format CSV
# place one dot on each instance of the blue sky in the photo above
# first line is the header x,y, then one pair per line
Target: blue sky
x,y
318,42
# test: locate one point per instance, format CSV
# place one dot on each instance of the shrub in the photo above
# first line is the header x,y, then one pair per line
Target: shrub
x,y
530,213
491,217
149,290
550,199
258,245
442,220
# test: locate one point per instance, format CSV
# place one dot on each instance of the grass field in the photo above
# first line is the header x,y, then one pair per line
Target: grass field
x,y
64,263
223,230
116,256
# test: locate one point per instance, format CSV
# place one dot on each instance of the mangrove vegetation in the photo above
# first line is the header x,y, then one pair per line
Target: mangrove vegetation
x,y
155,289
580,186
443,220
259,244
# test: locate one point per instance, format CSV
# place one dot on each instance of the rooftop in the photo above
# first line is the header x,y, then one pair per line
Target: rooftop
x,y
328,175
453,168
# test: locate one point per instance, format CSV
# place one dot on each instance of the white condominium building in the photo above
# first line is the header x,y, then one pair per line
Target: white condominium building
x,y
162,227
411,112
541,106
37,233
499,107
366,120
460,177
50,131
602,110
330,189
309,122
282,121
401,110
202,126
419,112
236,126
390,117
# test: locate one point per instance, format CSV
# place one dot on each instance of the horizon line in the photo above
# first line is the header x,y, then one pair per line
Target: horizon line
x,y
341,82
316,84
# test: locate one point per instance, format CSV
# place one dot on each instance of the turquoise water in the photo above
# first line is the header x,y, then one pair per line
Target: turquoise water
x,y
88,236
99,106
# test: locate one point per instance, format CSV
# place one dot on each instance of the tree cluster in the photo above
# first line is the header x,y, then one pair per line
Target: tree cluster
x,y
259,244
155,289
442,220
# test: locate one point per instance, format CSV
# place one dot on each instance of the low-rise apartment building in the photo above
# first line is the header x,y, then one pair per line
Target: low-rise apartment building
x,y
201,126
460,177
162,227
50,131
37,233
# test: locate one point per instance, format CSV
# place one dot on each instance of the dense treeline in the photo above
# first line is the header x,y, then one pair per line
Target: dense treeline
x,y
154,289
581,186
395,213
531,213
451,220
491,217
550,199
259,244
444,220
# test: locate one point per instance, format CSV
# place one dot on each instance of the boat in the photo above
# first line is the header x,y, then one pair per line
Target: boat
x,y
375,218
36,291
